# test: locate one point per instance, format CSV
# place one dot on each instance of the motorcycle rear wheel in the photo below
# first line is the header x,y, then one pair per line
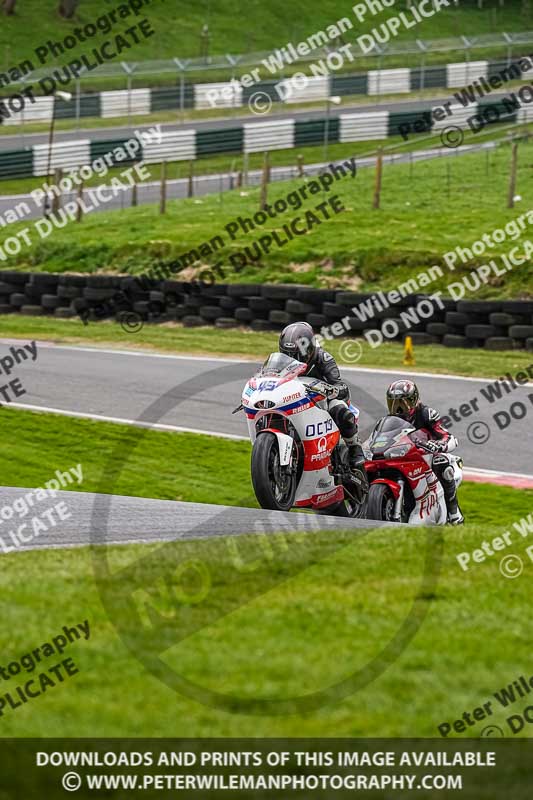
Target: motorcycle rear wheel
x,y
274,486
380,502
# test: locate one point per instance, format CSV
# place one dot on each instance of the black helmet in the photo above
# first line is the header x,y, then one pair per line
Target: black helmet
x,y
298,341
403,398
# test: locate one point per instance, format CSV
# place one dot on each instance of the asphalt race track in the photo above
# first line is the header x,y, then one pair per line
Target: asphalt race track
x,y
198,394
193,393
20,139
137,520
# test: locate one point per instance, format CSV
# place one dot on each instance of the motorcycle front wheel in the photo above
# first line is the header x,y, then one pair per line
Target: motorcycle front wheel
x,y
380,503
274,485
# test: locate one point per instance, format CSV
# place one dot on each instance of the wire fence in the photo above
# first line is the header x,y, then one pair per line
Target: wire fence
x,y
475,171
179,71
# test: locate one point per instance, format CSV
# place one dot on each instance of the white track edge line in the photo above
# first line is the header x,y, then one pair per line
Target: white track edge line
x,y
218,359
121,421
218,434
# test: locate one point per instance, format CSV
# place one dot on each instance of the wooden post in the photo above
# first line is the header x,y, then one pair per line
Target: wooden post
x,y
512,177
134,192
239,179
190,190
79,210
377,187
300,166
264,182
245,169
163,203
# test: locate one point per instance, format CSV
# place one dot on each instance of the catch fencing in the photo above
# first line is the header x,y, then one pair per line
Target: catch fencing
x,y
185,95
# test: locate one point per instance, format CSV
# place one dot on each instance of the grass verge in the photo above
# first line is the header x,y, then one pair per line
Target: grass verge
x,y
293,617
244,343
427,209
304,617
167,466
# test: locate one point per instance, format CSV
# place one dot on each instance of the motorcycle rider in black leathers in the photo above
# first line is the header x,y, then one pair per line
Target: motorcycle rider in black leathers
x,y
403,400
298,341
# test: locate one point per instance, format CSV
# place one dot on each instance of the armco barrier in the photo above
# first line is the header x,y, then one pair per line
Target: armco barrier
x,y
285,134
373,83
491,324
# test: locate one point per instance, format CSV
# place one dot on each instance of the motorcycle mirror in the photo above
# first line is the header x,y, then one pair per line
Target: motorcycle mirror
x,y
239,408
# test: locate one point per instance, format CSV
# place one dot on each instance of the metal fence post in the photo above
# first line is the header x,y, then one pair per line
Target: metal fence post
x,y
126,68
78,103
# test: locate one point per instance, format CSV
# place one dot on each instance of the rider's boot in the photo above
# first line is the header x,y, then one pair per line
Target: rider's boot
x,y
455,517
356,457
356,462
444,471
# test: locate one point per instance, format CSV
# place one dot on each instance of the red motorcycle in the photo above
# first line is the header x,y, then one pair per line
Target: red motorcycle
x,y
403,486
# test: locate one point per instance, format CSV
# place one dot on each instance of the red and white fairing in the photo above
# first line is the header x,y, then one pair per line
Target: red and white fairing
x,y
399,455
288,396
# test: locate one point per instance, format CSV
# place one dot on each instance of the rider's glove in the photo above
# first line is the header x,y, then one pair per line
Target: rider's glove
x,y
435,446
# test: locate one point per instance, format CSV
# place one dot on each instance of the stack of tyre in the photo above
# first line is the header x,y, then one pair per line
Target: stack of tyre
x,y
262,307
492,324
91,297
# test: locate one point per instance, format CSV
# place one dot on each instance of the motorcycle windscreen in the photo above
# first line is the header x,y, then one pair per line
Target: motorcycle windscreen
x,y
281,365
386,433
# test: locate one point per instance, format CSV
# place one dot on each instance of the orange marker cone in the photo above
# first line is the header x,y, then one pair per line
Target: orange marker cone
x,y
408,354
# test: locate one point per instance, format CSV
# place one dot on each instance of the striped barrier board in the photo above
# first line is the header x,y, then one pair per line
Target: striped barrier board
x,y
201,96
254,137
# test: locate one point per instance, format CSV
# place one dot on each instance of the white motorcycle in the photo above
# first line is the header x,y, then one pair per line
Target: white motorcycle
x,y
298,459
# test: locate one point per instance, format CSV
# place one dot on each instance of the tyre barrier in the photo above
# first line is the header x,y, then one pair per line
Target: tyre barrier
x,y
489,324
